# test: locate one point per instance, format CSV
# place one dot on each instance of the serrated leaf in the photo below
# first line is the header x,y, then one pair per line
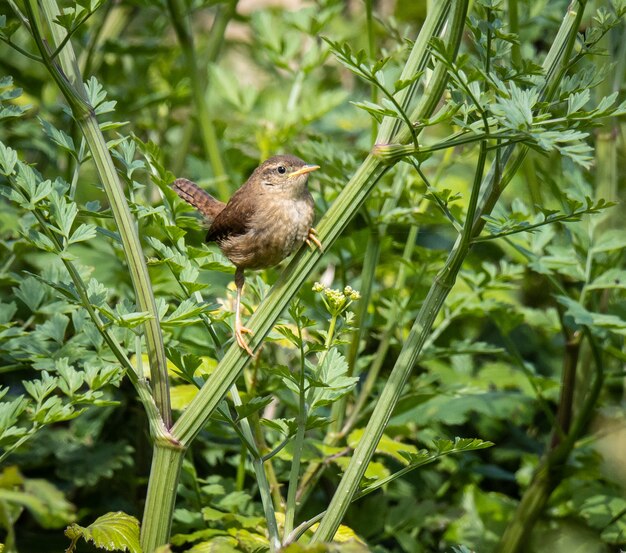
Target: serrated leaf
x,y
112,532
330,380
594,321
186,313
83,232
8,159
62,139
577,101
252,406
31,292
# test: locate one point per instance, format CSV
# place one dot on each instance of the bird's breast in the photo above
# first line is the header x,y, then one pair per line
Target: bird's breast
x,y
276,230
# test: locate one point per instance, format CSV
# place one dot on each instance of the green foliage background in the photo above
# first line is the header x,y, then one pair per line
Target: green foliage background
x,y
540,296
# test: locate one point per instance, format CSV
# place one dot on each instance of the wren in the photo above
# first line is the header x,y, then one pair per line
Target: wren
x,y
267,218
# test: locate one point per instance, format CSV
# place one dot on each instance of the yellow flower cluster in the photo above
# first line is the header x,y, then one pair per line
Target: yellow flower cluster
x,y
336,301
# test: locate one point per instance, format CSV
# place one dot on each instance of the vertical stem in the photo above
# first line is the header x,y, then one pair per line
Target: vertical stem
x,y
180,21
261,478
70,82
371,46
389,397
568,386
548,474
161,496
516,54
298,443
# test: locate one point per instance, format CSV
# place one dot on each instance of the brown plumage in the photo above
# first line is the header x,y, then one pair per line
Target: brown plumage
x,y
266,220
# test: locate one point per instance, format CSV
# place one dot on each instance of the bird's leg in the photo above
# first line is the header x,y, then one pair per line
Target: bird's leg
x,y
239,328
312,238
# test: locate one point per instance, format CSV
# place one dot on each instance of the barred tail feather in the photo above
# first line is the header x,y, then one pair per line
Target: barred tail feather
x,y
198,198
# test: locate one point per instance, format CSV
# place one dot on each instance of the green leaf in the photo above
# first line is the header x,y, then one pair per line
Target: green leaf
x,y
577,101
62,139
113,532
594,321
31,292
330,380
611,240
42,499
376,110
40,389
608,514
612,278
252,406
10,412
187,313
387,446
97,96
8,159
54,328
83,232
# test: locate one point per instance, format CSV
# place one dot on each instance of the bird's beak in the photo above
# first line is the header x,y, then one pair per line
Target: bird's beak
x,y
303,171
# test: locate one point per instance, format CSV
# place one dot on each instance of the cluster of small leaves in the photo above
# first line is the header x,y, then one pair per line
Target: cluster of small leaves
x,y
358,62
519,219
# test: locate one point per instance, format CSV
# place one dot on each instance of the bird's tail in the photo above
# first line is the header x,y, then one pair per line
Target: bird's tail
x,y
198,198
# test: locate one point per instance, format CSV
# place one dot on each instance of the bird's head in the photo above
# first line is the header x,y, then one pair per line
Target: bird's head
x,y
284,173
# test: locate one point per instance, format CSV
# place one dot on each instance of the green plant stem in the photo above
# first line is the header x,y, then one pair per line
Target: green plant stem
x,y
419,332
385,342
70,82
180,21
371,46
164,475
298,443
516,54
261,477
314,470
568,386
391,128
551,468
364,451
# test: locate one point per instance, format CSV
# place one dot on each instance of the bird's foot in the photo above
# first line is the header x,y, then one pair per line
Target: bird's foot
x,y
312,239
240,330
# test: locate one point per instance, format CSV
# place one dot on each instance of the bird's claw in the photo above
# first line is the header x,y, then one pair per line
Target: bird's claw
x,y
312,239
239,332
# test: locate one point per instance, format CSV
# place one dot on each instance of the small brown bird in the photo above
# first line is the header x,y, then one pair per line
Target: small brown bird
x,y
266,220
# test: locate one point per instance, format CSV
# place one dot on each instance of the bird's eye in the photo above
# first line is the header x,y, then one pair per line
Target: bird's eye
x,y
281,169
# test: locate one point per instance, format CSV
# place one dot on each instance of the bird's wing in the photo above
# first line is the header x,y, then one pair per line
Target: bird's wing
x,y
235,218
198,198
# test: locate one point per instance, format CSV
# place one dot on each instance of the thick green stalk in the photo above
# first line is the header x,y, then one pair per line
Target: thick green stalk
x,y
389,397
161,498
371,46
181,24
418,60
70,82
